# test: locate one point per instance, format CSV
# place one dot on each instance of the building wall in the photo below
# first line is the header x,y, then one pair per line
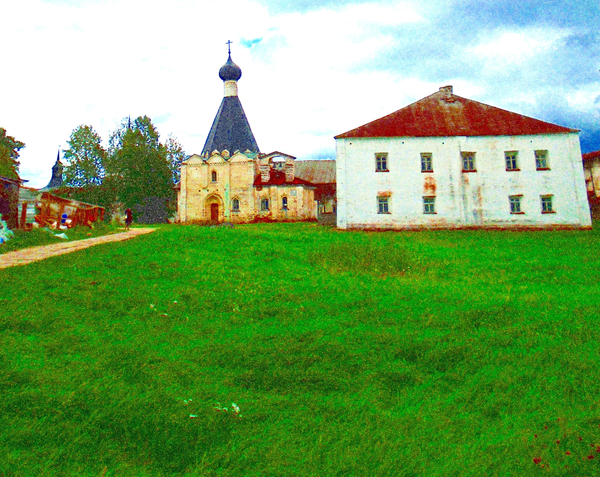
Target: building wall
x,y
591,169
462,199
235,180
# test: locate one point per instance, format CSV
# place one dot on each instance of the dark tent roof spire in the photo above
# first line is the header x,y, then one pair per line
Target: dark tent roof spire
x,y
230,129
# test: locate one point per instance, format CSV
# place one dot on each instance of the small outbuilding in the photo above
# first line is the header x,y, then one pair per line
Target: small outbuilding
x,y
591,170
9,200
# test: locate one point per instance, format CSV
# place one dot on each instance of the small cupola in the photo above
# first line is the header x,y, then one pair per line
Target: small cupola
x,y
230,71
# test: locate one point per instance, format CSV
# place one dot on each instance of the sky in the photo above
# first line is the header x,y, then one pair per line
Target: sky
x,y
311,69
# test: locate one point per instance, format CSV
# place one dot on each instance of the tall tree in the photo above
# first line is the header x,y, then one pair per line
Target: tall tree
x,y
175,156
138,169
9,155
85,158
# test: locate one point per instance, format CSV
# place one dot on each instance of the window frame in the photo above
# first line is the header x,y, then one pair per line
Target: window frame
x,y
516,200
546,166
264,204
381,162
547,199
233,205
465,157
383,205
284,203
429,205
511,160
426,162
214,177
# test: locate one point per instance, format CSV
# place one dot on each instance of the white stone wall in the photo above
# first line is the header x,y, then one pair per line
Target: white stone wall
x,y
592,175
462,199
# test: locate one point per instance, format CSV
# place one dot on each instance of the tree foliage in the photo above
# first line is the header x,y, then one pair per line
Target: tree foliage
x,y
85,158
175,156
9,155
139,170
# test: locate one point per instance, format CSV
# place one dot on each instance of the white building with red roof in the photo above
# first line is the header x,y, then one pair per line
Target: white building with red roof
x,y
450,162
591,170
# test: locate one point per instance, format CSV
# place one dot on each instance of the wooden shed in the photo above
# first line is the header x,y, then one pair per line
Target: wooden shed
x,y
9,200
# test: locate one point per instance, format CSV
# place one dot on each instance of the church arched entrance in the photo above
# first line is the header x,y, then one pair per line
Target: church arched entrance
x,y
214,209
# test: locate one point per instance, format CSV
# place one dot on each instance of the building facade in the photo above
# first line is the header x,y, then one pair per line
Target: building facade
x,y
450,162
591,170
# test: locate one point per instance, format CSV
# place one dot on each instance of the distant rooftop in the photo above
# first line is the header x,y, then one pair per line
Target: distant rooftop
x,y
444,114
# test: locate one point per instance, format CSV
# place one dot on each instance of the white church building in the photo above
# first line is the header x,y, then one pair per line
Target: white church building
x,y
450,162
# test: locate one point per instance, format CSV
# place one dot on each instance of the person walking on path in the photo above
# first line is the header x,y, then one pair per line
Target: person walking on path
x,y
128,218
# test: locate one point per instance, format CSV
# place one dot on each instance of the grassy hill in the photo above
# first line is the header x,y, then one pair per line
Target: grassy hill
x,y
446,353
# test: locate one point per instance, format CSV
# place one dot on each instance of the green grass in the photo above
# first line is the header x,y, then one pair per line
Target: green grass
x,y
349,353
44,236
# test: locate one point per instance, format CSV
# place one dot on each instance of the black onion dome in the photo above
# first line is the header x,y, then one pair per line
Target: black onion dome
x,y
230,71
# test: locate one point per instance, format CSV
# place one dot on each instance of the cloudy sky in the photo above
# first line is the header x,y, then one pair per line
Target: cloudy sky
x,y
311,69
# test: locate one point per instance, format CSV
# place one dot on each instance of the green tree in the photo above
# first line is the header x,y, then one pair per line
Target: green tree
x,y
138,170
85,158
175,156
9,155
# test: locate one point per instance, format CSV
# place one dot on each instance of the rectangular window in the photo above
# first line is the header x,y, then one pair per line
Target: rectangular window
x,y
547,207
381,164
468,160
264,204
511,160
426,162
235,205
383,205
515,204
541,160
429,205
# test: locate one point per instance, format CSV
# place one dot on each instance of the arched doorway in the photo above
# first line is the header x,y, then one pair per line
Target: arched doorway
x,y
214,209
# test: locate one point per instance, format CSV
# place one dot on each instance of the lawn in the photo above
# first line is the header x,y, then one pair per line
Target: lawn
x,y
348,353
45,236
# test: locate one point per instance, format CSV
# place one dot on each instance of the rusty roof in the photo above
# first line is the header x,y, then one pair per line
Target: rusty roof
x,y
591,155
444,114
316,172
278,178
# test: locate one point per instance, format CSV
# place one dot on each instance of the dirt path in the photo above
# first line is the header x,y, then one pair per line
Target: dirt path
x,y
34,254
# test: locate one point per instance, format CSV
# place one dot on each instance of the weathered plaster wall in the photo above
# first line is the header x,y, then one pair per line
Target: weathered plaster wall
x,y
462,199
234,180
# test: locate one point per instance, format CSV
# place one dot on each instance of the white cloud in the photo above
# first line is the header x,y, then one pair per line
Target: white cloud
x,y
97,61
506,49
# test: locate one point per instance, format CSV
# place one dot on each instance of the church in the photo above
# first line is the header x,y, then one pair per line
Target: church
x,y
231,180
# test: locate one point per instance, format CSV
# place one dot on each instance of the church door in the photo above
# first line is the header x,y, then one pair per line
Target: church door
x,y
214,212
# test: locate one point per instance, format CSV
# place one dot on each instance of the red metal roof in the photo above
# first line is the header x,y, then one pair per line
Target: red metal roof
x,y
591,155
444,114
278,178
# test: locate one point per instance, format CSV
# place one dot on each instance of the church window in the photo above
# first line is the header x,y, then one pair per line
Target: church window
x,y
235,205
515,204
383,205
468,161
511,160
429,205
264,204
381,162
541,160
547,204
426,162
213,176
284,203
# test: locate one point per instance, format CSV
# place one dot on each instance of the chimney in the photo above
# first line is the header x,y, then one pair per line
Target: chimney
x,y
289,171
447,94
265,170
